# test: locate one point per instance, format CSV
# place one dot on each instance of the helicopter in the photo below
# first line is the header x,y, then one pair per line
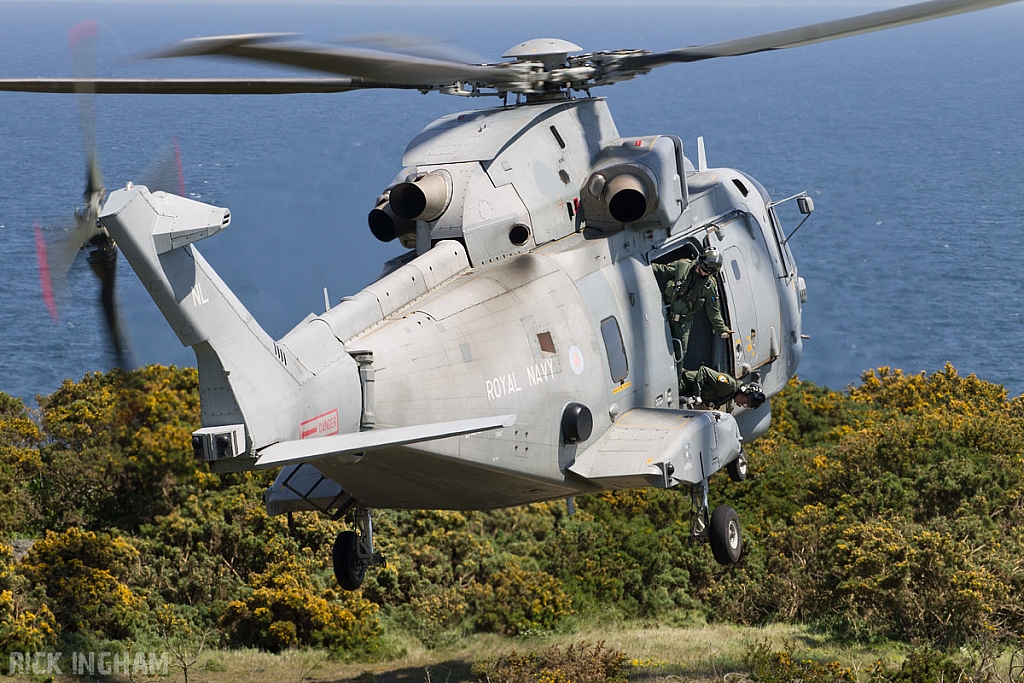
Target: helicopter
x,y
524,304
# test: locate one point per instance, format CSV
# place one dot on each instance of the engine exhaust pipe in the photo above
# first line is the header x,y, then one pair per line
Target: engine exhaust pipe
x,y
423,199
626,198
384,224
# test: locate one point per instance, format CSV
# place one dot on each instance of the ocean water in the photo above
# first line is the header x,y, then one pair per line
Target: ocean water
x,y
910,142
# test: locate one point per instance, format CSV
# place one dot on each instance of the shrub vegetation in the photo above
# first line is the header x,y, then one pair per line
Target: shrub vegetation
x,y
893,511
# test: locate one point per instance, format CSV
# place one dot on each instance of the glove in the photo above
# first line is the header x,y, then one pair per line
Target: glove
x,y
726,334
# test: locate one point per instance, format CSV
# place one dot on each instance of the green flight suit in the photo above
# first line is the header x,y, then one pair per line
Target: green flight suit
x,y
686,292
714,388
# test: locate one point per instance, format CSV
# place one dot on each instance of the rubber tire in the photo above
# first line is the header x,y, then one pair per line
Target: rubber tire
x,y
737,469
348,570
726,537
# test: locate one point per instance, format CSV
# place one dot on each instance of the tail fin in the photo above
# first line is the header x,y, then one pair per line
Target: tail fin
x,y
245,377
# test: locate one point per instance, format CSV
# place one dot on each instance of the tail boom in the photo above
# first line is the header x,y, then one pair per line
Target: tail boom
x,y
247,380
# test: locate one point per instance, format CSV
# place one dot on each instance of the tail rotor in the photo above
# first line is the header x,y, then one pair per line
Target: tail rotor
x,y
55,260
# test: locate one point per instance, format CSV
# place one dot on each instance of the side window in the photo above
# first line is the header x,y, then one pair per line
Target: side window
x,y
616,349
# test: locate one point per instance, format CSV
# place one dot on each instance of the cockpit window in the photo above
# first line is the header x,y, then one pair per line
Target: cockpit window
x,y
780,242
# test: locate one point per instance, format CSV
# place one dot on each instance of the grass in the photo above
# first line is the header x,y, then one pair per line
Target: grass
x,y
658,653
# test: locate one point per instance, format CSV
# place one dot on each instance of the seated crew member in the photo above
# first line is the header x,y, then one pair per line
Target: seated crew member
x,y
718,388
687,286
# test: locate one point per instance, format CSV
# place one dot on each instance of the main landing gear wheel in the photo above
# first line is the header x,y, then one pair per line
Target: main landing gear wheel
x,y
726,539
738,468
348,568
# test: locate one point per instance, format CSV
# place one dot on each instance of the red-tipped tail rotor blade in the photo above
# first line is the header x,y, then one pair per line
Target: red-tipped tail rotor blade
x,y
44,275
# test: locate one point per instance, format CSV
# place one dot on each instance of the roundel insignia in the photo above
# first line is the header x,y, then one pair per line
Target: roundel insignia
x,y
721,378
576,360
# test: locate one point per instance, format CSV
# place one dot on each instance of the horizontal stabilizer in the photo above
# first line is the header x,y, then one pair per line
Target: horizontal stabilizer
x,y
309,450
660,447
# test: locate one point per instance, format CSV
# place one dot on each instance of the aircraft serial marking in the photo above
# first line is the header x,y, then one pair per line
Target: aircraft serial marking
x,y
198,298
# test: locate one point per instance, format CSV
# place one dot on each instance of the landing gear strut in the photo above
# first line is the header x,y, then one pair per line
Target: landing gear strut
x,y
353,552
721,529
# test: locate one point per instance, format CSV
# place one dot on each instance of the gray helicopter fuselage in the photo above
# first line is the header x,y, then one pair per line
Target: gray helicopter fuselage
x,y
527,298
527,329
522,336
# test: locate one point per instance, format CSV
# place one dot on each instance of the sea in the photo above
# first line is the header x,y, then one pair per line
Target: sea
x,y
910,141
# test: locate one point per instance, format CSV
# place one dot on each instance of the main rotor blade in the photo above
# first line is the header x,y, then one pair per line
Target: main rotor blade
x,y
413,45
187,86
393,69
813,33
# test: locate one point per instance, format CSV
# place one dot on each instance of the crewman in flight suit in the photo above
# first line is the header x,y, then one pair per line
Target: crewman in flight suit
x,y
686,287
718,388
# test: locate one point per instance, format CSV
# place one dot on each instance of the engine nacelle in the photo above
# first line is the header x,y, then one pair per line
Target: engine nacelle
x,y
384,224
635,181
424,198
627,196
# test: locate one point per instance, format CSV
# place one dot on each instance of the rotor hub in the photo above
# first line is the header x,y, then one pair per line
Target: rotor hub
x,y
550,52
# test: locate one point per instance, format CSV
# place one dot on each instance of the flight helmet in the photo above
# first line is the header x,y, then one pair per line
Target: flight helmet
x,y
711,260
755,395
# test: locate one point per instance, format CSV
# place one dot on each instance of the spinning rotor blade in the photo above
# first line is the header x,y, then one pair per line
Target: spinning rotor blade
x,y
185,86
414,45
103,261
165,172
82,43
404,63
813,33
391,69
45,282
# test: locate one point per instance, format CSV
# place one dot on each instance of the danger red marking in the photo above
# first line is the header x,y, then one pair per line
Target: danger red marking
x,y
321,425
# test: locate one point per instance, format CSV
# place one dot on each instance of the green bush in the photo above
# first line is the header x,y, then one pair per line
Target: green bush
x,y
768,665
897,517
516,601
892,511
203,551
118,448
20,465
285,610
923,666
576,663
23,628
85,578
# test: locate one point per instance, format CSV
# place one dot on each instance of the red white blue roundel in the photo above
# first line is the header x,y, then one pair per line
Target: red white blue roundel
x,y
576,360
